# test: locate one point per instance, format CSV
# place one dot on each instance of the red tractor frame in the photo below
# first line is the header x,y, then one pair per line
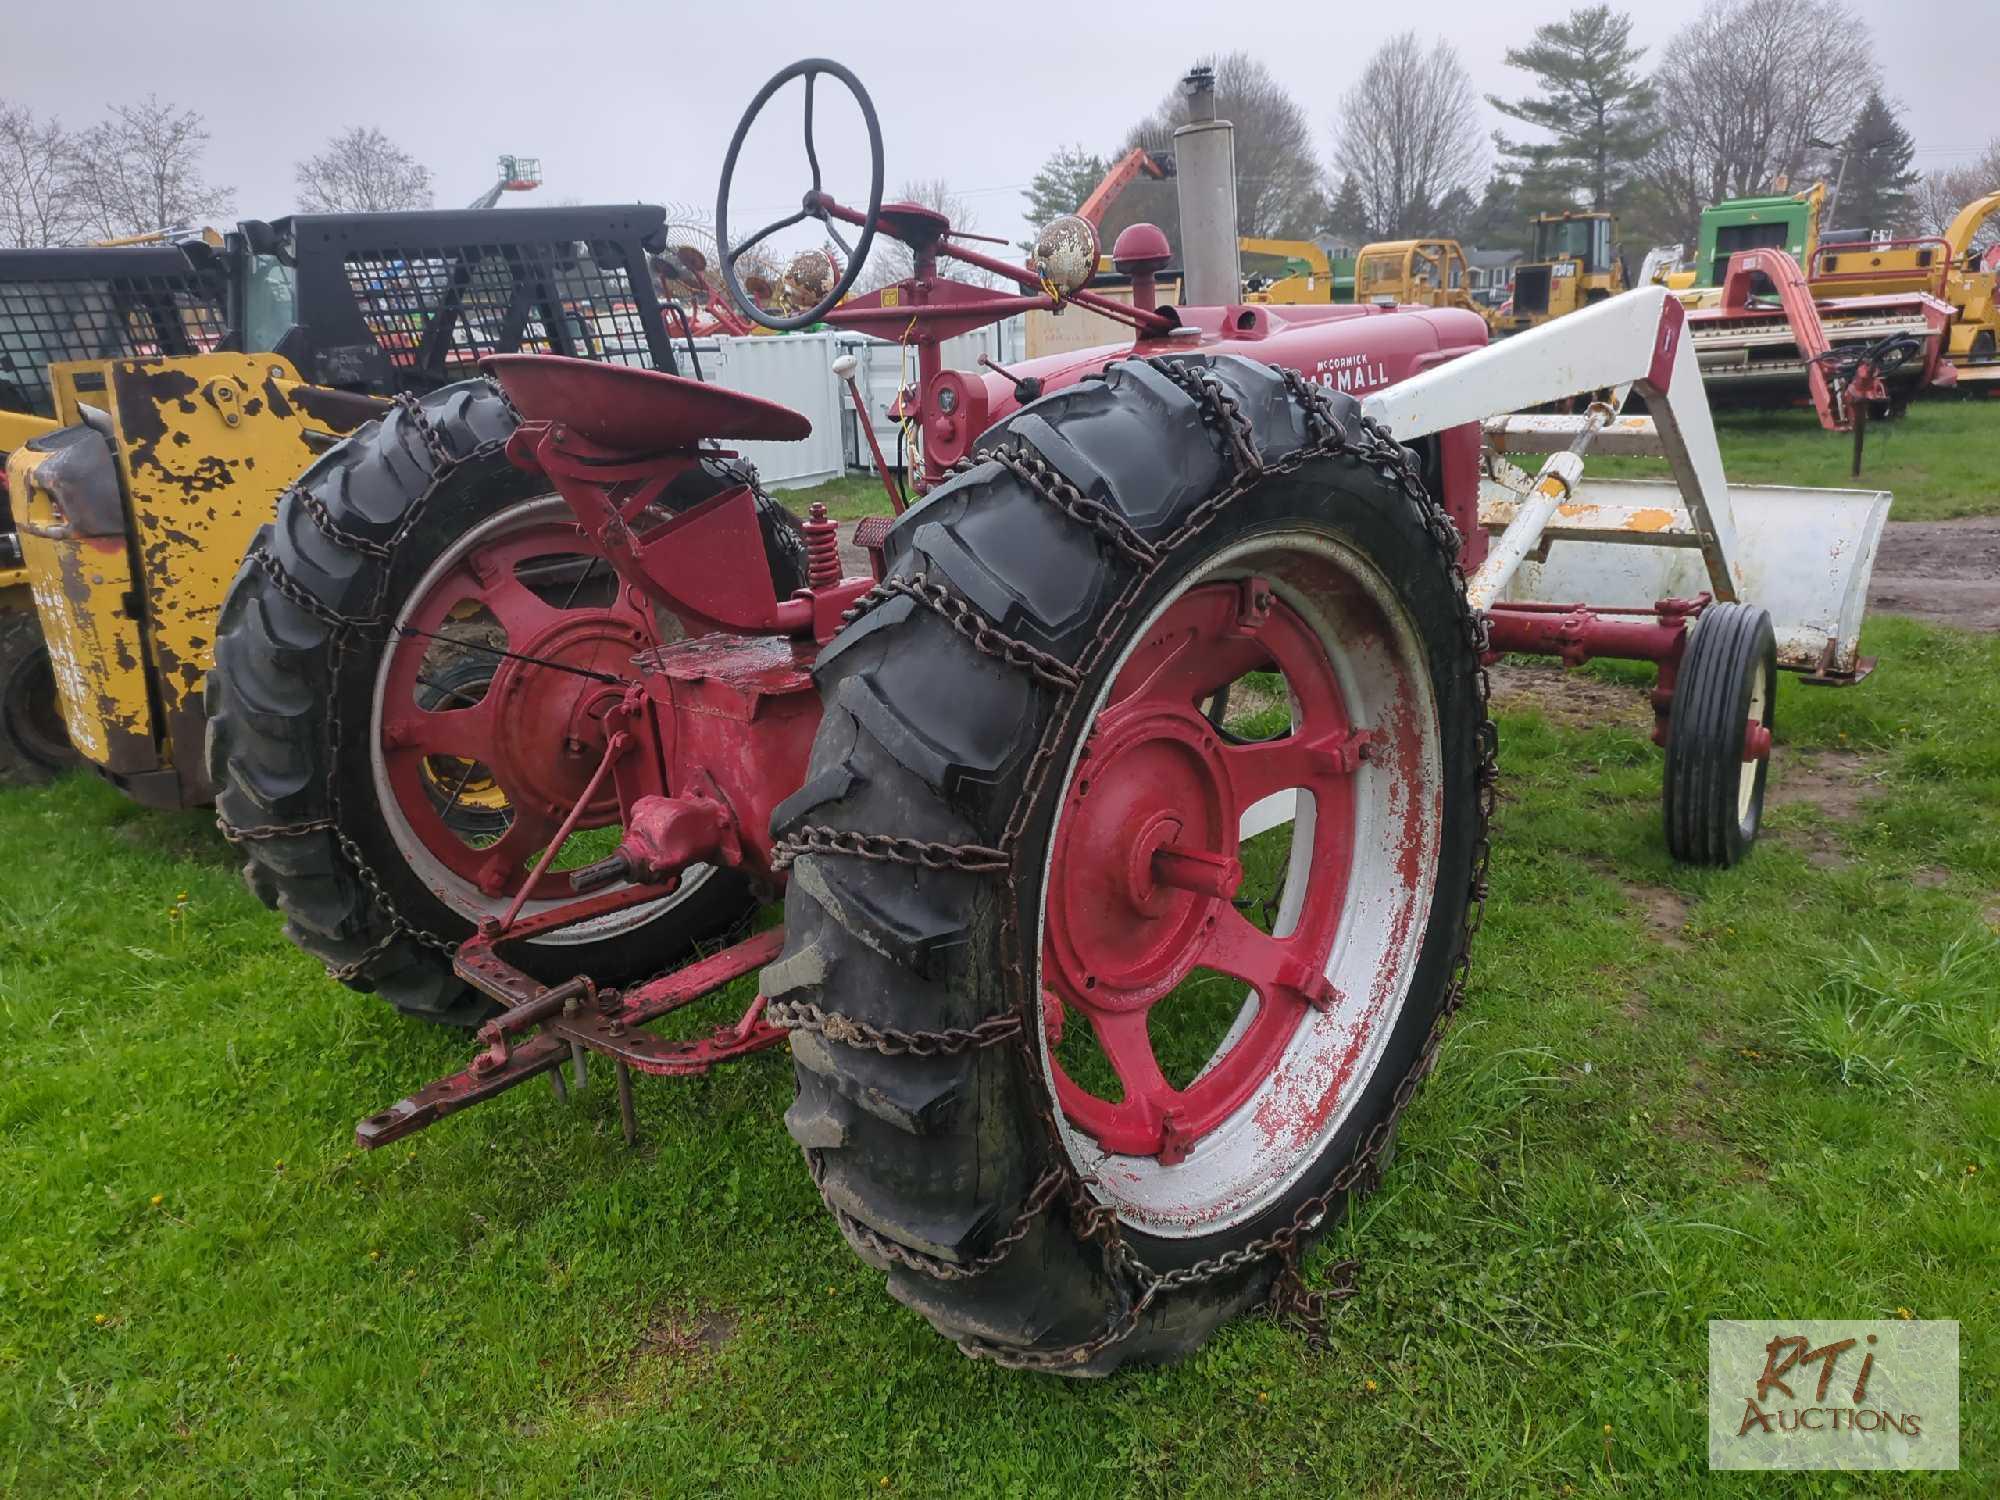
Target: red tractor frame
x,y
1216,508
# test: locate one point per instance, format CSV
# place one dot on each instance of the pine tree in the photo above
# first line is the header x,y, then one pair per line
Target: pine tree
x,y
1498,222
1065,180
1347,215
1877,191
1592,104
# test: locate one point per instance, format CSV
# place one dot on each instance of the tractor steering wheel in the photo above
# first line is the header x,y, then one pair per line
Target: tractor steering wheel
x,y
812,206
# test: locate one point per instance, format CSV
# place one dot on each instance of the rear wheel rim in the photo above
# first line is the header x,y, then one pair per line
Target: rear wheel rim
x,y
536,732
1750,773
1319,988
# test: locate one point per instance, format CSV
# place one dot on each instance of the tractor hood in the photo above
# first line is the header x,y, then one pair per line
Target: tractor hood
x,y
1354,349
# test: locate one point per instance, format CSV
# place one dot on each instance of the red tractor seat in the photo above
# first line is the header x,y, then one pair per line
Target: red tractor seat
x,y
629,410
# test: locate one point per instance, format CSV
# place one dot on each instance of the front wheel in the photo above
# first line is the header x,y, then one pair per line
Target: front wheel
x,y
1719,736
1218,956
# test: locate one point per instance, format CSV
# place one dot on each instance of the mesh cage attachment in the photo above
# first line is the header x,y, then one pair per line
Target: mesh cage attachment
x,y
57,306
447,308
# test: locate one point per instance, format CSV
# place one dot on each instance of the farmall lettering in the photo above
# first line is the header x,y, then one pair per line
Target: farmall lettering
x,y
1351,372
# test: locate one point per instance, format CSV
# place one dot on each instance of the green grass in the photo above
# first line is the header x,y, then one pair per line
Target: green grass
x,y
1780,1099
847,498
1941,459
1638,1125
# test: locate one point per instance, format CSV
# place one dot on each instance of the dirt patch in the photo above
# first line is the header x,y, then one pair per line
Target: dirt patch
x,y
675,1342
1930,877
1836,784
682,1335
1941,572
1693,1120
1572,699
1664,912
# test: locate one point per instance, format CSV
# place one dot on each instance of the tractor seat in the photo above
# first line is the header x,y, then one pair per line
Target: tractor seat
x,y
629,410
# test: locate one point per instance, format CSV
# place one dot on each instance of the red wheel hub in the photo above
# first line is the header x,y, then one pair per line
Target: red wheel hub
x,y
1146,860
538,730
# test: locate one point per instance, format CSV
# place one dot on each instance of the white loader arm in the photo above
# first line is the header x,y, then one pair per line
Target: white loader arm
x,y
1638,338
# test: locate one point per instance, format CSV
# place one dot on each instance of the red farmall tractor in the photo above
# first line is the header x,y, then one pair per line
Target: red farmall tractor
x,y
1130,812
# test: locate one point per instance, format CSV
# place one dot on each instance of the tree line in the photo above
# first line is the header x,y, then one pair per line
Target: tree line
x,y
141,169
1745,96
1748,95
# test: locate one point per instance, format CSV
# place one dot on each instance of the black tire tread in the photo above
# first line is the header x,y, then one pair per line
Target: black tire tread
x,y
925,737
1705,736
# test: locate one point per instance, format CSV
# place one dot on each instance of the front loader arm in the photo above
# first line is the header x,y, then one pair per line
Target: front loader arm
x,y
1637,339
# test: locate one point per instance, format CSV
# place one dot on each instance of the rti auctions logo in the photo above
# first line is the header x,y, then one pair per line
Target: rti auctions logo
x,y
1821,1394
1791,1355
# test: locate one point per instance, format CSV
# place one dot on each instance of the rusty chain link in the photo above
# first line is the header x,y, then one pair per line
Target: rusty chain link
x,y
1039,1197
1049,486
890,1042
964,618
886,848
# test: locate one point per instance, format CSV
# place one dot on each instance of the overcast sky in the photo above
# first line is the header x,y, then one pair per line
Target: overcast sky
x,y
626,101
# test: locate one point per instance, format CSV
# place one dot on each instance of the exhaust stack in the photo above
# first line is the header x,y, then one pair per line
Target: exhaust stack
x,y
1205,170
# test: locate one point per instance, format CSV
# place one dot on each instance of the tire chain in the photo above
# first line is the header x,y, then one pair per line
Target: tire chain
x,y
1289,1297
345,630
887,848
966,619
1049,486
890,1042
1043,1193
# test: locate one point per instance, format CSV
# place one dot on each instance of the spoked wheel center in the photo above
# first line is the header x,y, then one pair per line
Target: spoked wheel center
x,y
1230,911
1148,860
1143,856
533,636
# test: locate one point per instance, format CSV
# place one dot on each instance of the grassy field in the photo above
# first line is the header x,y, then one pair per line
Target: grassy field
x,y
1940,459
1675,1095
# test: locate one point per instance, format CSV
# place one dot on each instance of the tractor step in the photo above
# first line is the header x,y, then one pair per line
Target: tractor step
x,y
575,1018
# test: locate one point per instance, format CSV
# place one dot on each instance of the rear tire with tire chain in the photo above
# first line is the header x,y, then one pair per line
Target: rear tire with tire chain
x,y
937,1168
282,687
1712,800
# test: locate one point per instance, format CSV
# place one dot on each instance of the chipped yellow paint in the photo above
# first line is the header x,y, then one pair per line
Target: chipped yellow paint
x,y
205,445
80,586
1649,518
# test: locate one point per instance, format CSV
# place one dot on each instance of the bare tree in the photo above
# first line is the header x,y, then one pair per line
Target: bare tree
x,y
1940,194
1279,183
1408,134
890,261
140,170
362,171
1745,89
38,181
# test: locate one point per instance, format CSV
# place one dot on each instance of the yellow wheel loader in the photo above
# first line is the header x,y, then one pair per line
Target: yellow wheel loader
x,y
157,400
1574,263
